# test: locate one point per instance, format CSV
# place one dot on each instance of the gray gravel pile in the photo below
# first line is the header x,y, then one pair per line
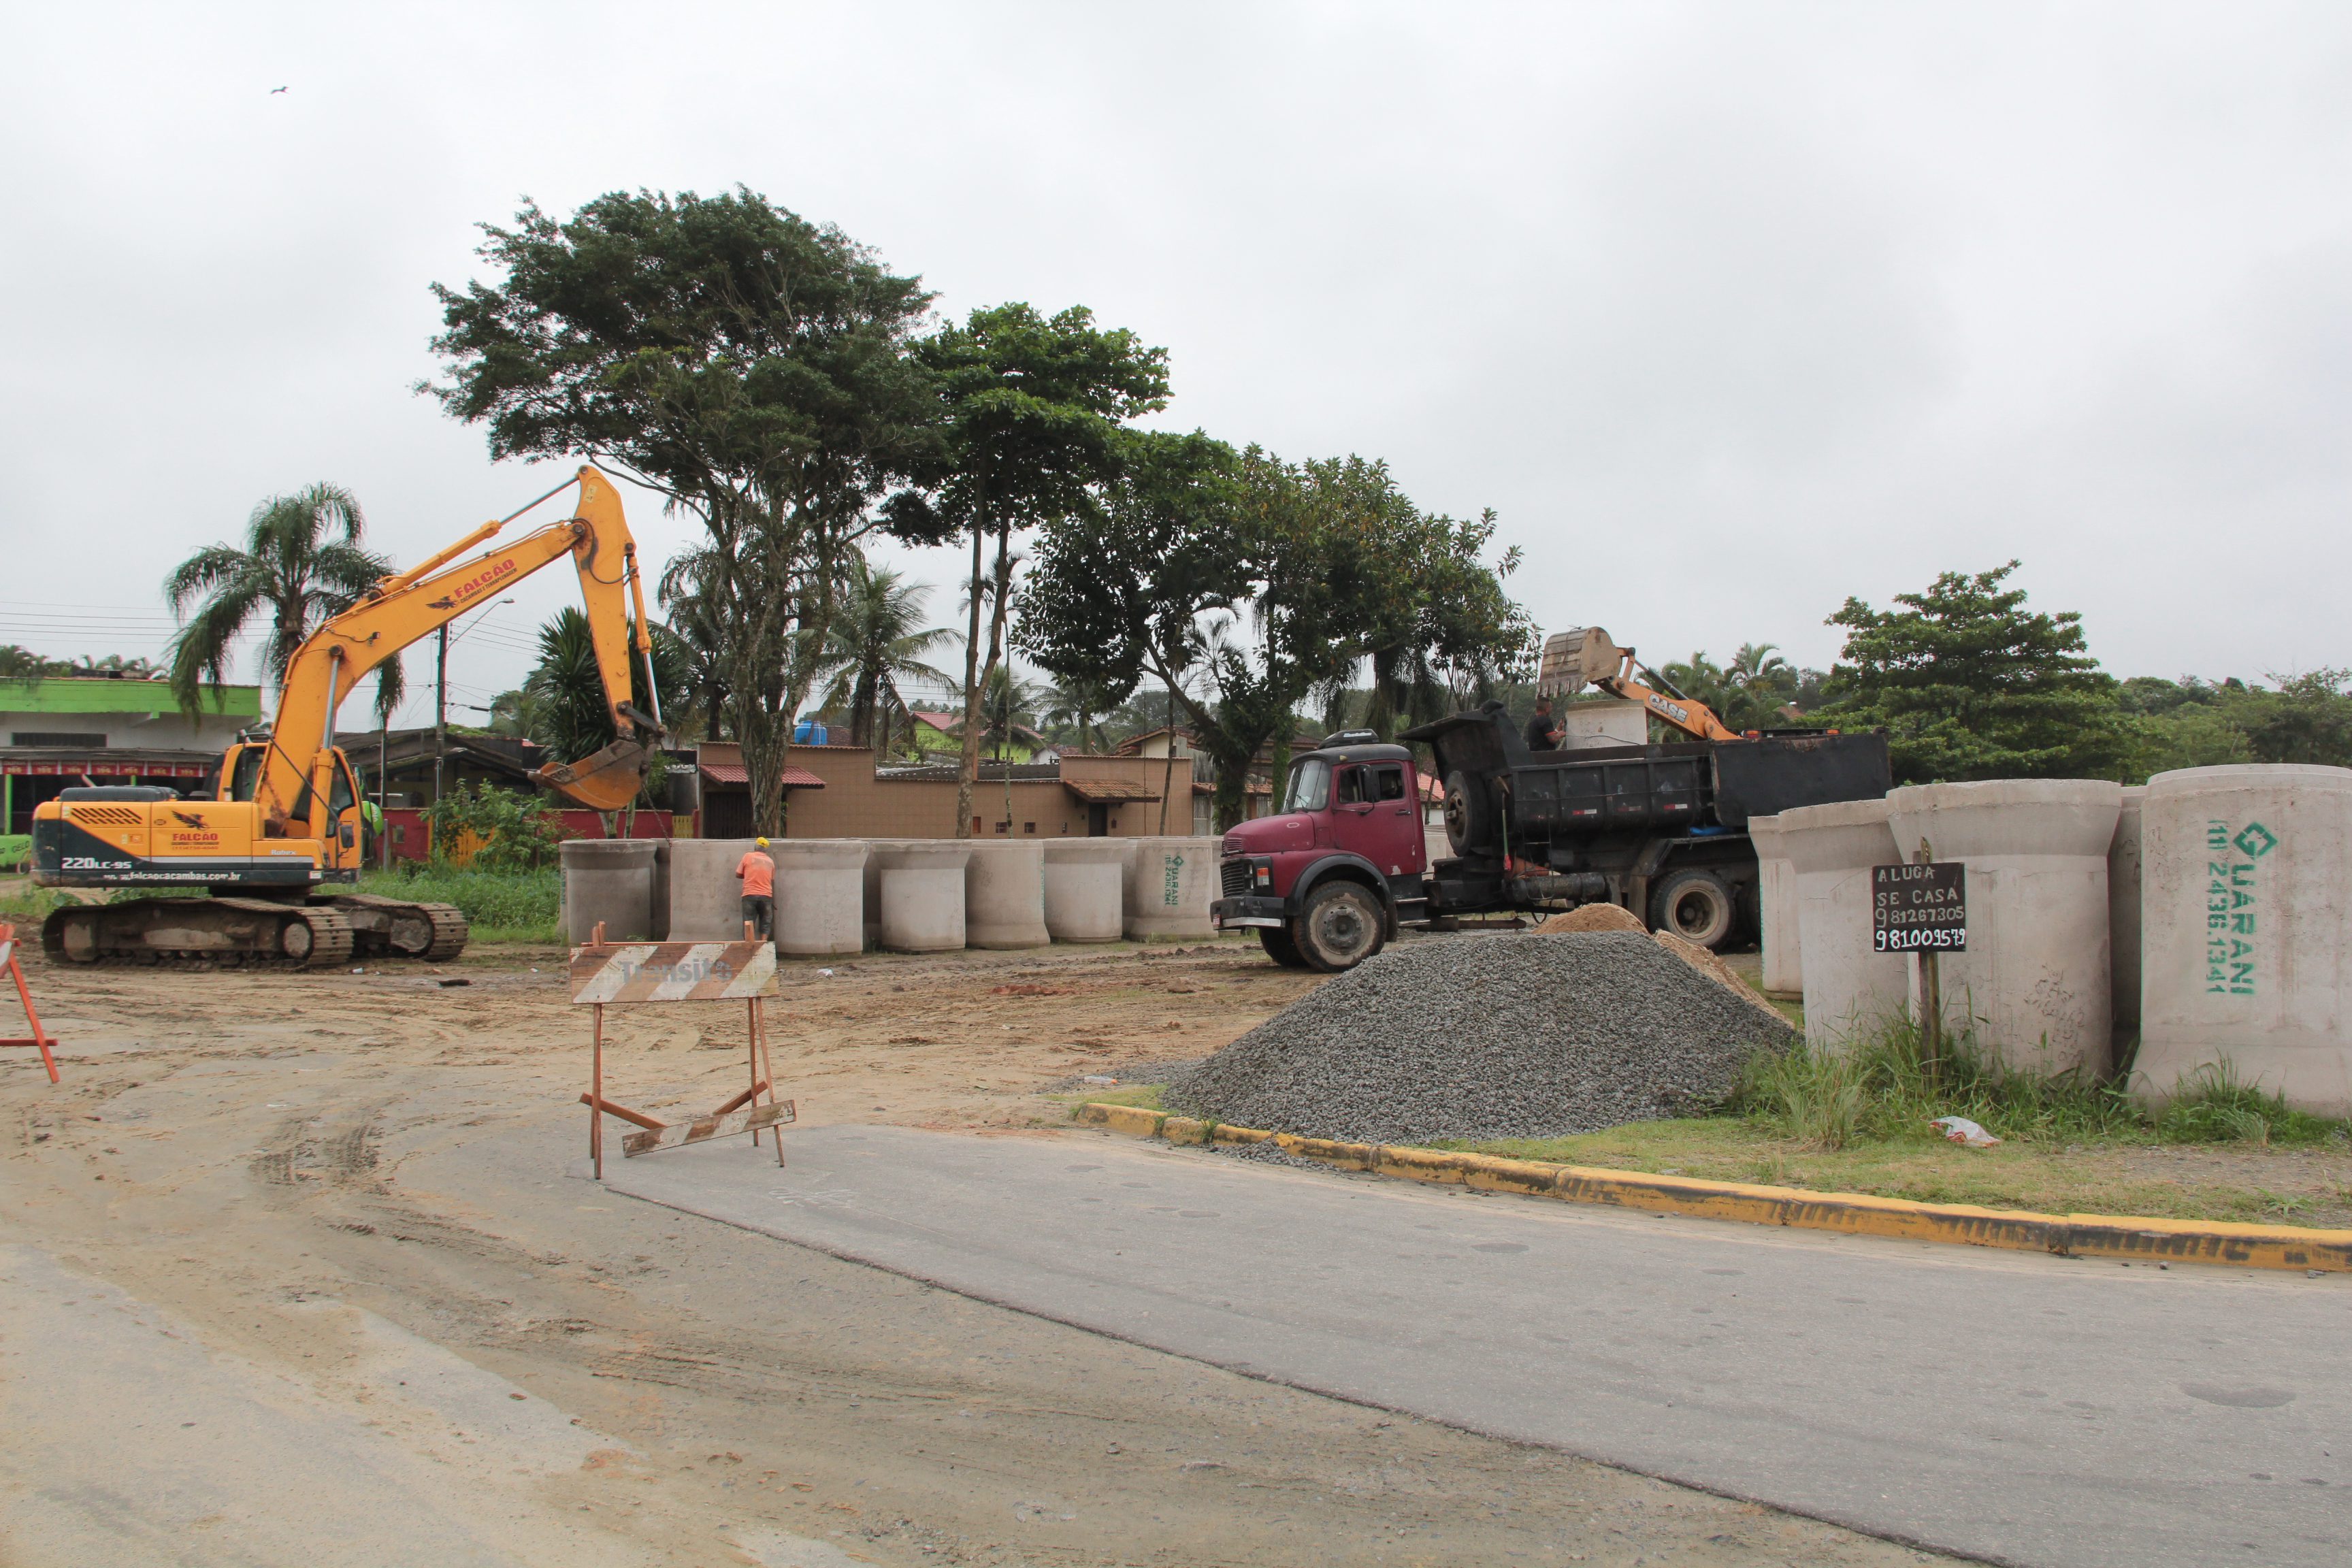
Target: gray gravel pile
x,y
1482,1037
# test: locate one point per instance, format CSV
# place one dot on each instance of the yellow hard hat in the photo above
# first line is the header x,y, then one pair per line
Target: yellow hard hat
x,y
760,842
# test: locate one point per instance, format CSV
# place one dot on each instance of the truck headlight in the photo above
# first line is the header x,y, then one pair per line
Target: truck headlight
x,y
1262,873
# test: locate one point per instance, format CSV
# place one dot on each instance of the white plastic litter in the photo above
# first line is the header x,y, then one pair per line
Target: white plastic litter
x,y
1098,1078
1961,1130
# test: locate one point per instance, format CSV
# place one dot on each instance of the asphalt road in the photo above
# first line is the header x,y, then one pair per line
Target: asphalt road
x,y
2012,1406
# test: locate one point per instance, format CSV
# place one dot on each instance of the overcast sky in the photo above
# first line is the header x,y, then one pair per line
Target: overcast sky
x,y
1730,311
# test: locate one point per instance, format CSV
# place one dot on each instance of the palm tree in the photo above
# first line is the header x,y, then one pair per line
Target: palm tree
x,y
1080,705
877,640
562,703
1767,680
294,570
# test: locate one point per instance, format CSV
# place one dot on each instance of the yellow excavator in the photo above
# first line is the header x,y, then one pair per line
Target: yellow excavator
x,y
278,845
1584,656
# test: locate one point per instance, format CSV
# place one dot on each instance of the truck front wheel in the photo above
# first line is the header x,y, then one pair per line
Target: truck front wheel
x,y
1342,925
1278,946
1696,906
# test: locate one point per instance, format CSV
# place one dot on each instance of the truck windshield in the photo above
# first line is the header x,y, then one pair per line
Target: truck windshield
x,y
1310,786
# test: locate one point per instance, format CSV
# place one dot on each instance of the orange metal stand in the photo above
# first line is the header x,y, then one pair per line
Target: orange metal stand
x,y
40,1039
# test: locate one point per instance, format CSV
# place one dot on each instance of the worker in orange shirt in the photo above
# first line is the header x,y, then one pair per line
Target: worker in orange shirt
x,y
757,875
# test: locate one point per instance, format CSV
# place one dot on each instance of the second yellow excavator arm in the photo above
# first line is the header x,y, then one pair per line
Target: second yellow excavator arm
x,y
411,605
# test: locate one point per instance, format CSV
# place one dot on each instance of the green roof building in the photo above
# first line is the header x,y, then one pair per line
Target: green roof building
x,y
63,731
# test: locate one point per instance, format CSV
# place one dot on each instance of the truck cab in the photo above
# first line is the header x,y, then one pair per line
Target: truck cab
x,y
1325,880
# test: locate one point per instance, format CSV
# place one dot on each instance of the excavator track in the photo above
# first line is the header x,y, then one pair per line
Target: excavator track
x,y
260,933
401,928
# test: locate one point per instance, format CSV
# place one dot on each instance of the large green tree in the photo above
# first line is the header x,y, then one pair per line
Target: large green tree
x,y
1033,408
754,368
1968,683
1443,633
301,562
1240,583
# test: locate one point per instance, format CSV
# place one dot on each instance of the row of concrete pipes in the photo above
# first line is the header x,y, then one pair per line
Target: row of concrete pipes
x,y
840,896
2193,924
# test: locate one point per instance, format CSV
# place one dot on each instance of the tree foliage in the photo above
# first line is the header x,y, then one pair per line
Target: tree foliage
x,y
1749,693
1033,413
878,640
1240,583
300,563
751,366
563,706
1970,684
514,830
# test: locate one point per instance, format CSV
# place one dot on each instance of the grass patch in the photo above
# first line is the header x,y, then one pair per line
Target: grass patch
x,y
1858,1122
2119,1179
1882,1090
1146,1095
500,906
26,906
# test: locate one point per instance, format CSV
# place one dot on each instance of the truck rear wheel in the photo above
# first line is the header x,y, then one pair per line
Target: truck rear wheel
x,y
1342,925
1278,946
1695,906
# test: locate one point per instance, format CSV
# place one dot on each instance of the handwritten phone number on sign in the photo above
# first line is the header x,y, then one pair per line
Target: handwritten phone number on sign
x,y
1919,907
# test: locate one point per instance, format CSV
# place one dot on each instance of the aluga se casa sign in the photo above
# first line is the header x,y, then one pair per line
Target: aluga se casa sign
x,y
1919,907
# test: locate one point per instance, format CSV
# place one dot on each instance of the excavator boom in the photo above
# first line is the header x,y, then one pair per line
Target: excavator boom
x,y
411,605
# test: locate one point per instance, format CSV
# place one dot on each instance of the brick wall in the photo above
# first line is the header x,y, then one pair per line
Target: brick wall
x,y
853,804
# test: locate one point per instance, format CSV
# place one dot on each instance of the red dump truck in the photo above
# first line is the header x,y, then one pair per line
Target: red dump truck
x,y
1657,829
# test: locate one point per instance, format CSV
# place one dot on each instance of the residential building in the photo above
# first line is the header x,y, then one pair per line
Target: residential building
x,y
67,731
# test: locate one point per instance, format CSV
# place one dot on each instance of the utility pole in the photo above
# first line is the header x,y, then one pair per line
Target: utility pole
x,y
1168,773
383,779
440,710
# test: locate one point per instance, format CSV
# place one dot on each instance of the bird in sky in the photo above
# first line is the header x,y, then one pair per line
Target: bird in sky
x,y
276,91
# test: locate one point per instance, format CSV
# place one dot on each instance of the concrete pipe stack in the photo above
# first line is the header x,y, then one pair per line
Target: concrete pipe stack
x,y
1170,884
2122,920
1849,989
1004,894
2035,981
874,848
608,881
1777,909
1084,887
820,895
2246,892
922,894
705,901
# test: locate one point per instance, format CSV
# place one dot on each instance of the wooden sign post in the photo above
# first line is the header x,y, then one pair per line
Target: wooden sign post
x,y
1923,908
611,975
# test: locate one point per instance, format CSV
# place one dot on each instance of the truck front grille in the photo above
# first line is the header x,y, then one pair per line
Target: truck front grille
x,y
1233,876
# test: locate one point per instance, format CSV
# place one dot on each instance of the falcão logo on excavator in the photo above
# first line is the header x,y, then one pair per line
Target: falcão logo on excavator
x,y
484,578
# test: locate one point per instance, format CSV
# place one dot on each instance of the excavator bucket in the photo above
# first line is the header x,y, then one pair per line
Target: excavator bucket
x,y
1574,659
607,781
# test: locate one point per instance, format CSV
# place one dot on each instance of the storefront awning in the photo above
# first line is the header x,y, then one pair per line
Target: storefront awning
x,y
1099,792
124,766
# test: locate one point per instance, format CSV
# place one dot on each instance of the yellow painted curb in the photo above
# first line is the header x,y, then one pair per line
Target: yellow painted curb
x,y
2131,1239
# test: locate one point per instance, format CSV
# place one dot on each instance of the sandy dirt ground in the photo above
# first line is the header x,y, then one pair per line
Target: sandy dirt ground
x,y
346,1195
